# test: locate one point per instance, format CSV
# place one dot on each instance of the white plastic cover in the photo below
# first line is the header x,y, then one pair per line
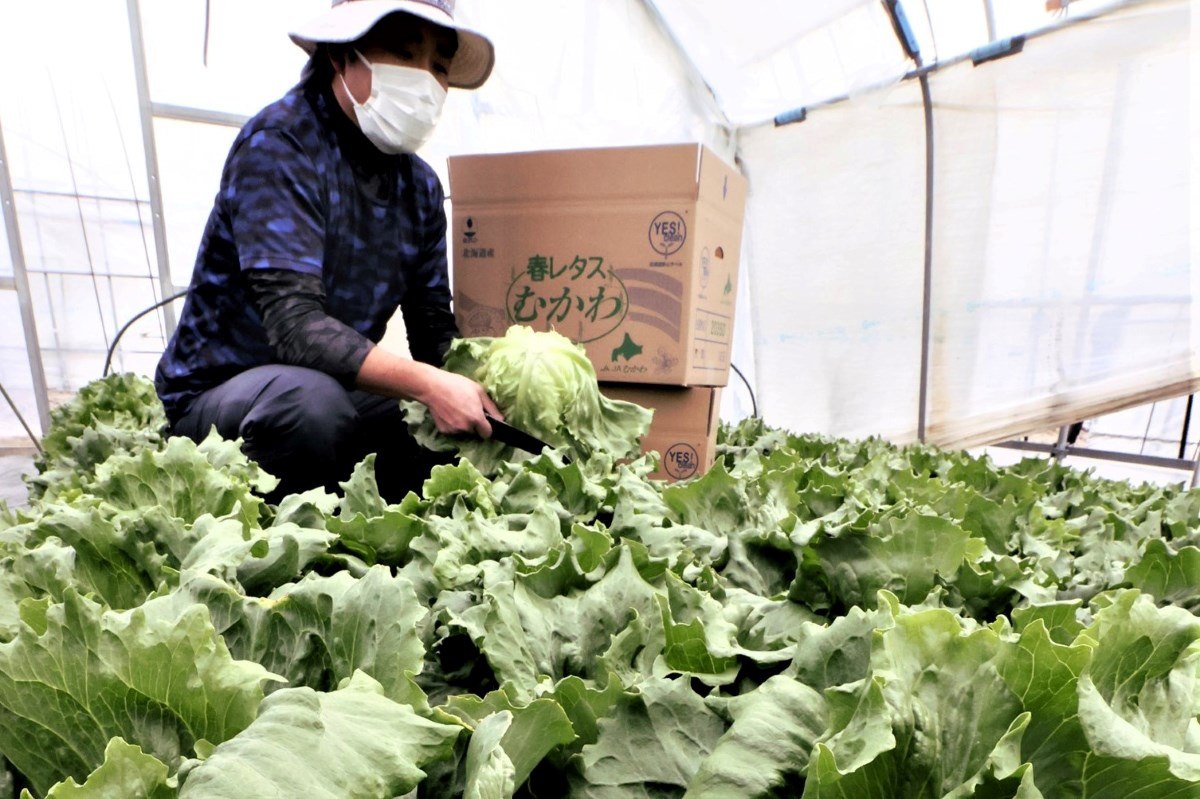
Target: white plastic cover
x,y
6,267
765,58
69,111
949,28
190,159
1062,277
574,75
14,362
1155,429
1063,285
834,243
246,61
15,376
69,106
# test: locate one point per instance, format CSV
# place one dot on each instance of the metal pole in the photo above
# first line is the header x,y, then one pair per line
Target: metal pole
x,y
204,116
1187,420
146,107
927,291
989,11
1196,475
1103,455
942,64
913,51
1060,449
21,281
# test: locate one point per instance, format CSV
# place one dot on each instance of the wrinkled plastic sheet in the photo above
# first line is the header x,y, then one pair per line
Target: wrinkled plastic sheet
x,y
1063,284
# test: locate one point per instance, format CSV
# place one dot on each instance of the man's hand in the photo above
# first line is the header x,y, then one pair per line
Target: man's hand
x,y
458,405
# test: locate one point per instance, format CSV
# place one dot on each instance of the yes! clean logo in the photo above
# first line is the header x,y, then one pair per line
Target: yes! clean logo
x,y
469,233
668,232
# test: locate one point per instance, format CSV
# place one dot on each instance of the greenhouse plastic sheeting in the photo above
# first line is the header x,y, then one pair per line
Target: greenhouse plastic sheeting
x,y
1062,284
1062,278
15,370
72,134
6,265
190,159
89,271
784,54
14,363
607,77
15,375
69,108
227,55
835,233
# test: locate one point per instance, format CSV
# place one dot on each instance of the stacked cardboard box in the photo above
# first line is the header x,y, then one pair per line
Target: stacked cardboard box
x,y
631,252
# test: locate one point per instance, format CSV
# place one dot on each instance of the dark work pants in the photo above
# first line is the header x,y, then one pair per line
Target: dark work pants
x,y
303,427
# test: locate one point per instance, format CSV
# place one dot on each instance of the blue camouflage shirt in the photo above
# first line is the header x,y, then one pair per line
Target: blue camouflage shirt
x,y
304,190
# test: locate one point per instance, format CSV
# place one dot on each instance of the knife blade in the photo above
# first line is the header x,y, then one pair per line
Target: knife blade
x,y
515,437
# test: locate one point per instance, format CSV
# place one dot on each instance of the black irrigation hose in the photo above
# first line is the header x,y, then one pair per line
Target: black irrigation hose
x,y
113,347
753,401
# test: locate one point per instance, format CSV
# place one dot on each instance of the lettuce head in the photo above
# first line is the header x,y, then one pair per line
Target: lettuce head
x,y
546,386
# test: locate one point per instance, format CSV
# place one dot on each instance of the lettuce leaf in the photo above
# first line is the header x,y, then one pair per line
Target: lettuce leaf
x,y
353,743
157,676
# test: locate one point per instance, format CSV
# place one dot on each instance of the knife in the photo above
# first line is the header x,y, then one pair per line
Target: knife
x,y
505,433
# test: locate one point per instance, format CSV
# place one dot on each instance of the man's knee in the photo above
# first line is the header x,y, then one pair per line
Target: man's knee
x,y
308,409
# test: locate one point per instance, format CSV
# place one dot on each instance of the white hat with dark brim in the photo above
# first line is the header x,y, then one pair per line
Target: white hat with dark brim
x,y
349,20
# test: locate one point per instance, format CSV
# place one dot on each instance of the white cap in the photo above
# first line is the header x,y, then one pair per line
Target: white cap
x,y
349,20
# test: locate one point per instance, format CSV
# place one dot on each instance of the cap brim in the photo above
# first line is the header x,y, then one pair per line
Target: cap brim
x,y
351,20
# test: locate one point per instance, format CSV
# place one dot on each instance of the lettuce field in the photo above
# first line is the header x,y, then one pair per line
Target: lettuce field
x,y
814,618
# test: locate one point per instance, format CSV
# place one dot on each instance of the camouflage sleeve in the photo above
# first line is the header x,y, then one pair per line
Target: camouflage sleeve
x,y
426,305
434,328
292,305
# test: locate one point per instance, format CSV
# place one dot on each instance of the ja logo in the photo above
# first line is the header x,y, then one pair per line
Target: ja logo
x,y
668,232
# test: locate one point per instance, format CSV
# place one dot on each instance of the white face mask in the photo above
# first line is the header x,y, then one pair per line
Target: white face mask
x,y
403,109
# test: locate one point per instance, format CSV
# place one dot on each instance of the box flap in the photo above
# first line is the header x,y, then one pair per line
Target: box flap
x,y
653,172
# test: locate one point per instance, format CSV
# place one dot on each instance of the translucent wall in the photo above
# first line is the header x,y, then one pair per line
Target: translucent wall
x,y
225,55
945,29
607,77
228,56
190,158
1156,429
1062,274
835,239
15,373
69,111
6,266
784,54
1062,278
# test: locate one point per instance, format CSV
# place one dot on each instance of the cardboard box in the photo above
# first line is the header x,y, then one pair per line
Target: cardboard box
x,y
684,429
632,252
